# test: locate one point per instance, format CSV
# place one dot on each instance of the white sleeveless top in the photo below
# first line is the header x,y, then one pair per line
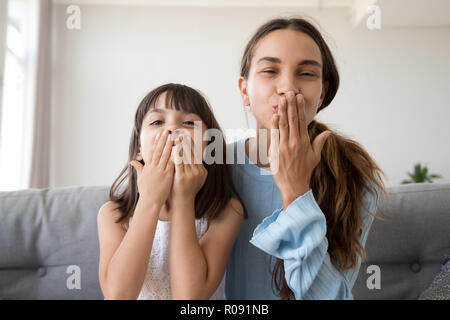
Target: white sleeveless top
x,y
156,284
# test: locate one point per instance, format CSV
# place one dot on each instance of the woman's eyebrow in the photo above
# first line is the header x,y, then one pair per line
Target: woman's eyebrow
x,y
270,59
301,63
310,62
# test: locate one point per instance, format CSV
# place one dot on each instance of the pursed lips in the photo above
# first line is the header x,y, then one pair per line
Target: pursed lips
x,y
275,109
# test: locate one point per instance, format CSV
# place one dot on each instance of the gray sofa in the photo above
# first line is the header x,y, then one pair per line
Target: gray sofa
x,y
49,244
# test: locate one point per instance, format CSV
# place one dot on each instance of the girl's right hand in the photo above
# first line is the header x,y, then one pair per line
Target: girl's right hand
x,y
155,178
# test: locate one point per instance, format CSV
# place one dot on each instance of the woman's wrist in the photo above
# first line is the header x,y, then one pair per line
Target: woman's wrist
x,y
289,196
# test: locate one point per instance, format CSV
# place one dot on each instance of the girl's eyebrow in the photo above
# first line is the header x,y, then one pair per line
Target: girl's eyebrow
x,y
164,111
301,63
157,110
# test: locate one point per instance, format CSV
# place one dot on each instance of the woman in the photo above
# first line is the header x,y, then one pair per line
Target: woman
x,y
317,198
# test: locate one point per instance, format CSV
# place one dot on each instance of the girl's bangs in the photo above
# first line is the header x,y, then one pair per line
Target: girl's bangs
x,y
181,100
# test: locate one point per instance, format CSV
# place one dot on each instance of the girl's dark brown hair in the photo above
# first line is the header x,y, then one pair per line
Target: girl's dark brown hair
x,y
218,188
345,169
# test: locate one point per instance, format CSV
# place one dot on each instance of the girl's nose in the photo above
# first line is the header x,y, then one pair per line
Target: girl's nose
x,y
171,128
178,132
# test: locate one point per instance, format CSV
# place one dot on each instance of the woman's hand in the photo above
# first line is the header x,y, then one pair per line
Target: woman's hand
x,y
155,178
291,154
189,176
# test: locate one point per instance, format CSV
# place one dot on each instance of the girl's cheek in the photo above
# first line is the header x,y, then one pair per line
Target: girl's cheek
x,y
146,140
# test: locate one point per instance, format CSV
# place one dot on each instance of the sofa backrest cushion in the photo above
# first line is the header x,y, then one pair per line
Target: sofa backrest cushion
x,y
49,243
410,246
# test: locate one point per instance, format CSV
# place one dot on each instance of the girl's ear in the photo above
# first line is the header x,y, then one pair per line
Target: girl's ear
x,y
242,83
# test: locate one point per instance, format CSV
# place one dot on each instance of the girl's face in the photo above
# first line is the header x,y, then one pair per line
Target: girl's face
x,y
161,118
284,60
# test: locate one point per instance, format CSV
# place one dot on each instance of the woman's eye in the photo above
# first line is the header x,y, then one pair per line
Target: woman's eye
x,y
156,123
189,123
307,74
268,71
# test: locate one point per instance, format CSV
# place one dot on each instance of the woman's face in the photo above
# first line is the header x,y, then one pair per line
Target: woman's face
x,y
161,118
284,60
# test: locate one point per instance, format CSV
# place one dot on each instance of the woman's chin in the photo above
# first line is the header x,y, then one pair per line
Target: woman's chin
x,y
168,204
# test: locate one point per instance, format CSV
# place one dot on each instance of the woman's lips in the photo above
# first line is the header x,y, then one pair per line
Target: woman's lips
x,y
275,109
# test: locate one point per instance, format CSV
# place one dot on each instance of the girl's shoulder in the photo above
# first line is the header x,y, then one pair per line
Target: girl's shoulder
x,y
233,208
110,212
236,205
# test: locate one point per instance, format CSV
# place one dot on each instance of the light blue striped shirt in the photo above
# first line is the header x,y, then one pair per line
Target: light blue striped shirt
x,y
296,235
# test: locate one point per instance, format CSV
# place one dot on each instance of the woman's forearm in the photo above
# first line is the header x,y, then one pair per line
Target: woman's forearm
x,y
187,263
128,266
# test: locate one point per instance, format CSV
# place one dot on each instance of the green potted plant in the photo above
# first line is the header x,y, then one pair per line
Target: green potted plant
x,y
420,175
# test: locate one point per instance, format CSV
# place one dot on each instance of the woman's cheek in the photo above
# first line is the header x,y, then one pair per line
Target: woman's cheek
x,y
310,110
260,107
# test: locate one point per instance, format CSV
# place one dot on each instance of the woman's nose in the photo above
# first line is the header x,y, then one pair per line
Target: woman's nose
x,y
286,84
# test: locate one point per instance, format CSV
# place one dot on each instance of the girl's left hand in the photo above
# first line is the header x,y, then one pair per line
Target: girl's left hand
x,y
291,154
189,176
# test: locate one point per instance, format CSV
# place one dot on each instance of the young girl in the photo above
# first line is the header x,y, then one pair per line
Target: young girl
x,y
314,212
169,231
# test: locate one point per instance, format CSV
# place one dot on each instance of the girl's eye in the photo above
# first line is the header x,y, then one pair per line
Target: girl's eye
x,y
196,123
156,122
269,71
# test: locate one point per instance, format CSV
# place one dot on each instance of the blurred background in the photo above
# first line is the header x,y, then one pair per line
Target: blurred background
x,y
73,72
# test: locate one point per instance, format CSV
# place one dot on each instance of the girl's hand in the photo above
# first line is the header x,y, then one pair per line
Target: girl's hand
x,y
155,178
293,162
189,176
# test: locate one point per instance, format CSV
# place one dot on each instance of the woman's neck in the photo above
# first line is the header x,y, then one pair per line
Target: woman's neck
x,y
256,145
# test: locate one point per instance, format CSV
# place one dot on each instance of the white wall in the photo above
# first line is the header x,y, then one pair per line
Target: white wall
x,y
392,99
3,17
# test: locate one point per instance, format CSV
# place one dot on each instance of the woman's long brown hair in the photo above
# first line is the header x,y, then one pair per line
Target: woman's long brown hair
x,y
345,169
218,188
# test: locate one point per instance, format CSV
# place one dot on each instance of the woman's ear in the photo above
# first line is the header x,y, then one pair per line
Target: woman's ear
x,y
324,92
242,83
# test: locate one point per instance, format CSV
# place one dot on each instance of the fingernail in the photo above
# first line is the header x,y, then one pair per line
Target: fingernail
x,y
158,134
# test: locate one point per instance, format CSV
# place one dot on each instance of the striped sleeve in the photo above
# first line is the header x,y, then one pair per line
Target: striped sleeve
x,y
298,236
